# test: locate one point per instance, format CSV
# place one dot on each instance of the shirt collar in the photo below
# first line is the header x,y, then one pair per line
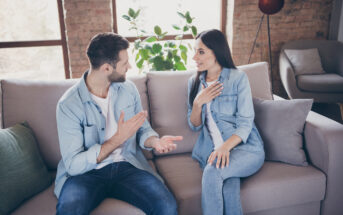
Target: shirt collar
x,y
224,74
84,92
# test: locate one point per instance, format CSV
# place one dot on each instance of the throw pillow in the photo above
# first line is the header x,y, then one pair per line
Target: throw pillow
x,y
22,171
305,61
281,125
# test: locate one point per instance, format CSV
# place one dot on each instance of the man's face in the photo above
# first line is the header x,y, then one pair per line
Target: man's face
x,y
119,72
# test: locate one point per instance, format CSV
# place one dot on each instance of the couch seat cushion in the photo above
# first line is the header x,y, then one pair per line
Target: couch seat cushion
x,y
326,83
275,185
45,203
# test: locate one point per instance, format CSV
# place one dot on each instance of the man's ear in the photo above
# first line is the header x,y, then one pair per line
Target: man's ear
x,y
107,68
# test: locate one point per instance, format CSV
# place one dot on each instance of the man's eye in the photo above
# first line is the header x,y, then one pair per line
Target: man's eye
x,y
201,52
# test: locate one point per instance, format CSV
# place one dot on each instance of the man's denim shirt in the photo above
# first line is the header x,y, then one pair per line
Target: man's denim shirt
x,y
81,129
233,113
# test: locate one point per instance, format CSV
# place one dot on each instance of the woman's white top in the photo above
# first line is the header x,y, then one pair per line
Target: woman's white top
x,y
212,126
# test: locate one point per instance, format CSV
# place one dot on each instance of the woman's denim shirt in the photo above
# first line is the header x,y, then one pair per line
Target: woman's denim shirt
x,y
233,113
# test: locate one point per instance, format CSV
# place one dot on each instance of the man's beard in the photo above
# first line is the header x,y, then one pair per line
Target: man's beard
x,y
115,77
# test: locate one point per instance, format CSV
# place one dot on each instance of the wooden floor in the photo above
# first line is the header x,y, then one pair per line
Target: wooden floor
x,y
331,111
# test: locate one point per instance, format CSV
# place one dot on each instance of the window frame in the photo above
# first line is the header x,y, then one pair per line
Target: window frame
x,y
223,18
43,43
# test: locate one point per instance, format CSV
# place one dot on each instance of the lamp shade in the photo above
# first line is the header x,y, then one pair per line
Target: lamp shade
x,y
270,6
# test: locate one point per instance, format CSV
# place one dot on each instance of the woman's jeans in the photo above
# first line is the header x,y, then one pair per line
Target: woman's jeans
x,y
81,194
221,187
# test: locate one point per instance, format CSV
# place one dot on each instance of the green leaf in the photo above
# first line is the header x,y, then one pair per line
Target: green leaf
x,y
180,66
136,14
143,31
188,17
183,48
144,53
190,46
137,57
169,55
177,58
176,27
184,56
157,30
139,64
181,14
185,28
194,31
175,52
137,43
126,17
168,65
156,48
158,63
131,13
150,39
171,44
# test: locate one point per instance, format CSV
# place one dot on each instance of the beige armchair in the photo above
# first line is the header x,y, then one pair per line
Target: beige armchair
x,y
323,88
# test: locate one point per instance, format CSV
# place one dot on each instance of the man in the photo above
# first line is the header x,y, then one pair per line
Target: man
x,y
100,124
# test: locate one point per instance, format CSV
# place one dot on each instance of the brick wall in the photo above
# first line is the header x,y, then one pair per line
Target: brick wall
x,y
298,19
84,19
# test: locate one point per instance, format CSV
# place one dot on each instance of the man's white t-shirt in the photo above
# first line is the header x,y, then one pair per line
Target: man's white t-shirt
x,y
106,105
212,126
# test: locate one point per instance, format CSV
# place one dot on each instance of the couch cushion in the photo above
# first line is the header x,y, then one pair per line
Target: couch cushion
x,y
45,203
35,102
281,125
275,185
305,61
259,79
168,106
22,171
325,83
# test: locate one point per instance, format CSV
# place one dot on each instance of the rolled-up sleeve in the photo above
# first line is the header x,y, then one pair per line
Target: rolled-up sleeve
x,y
245,109
76,158
189,108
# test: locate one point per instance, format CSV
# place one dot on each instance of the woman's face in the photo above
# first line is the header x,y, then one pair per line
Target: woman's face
x,y
204,57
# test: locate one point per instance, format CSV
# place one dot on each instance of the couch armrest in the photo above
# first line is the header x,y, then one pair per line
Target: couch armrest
x,y
324,144
287,76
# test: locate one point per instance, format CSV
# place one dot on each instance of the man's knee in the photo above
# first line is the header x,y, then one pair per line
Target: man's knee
x,y
167,205
71,205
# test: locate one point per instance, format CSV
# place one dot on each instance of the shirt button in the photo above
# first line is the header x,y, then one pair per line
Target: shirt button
x,y
102,129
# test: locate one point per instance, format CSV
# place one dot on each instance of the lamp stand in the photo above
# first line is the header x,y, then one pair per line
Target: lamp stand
x,y
269,46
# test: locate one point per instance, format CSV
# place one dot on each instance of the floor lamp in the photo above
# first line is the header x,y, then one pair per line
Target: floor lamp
x,y
268,7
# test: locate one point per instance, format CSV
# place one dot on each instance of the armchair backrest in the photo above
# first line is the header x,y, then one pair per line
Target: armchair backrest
x,y
330,51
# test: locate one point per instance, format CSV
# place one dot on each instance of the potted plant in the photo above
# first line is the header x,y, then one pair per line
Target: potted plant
x,y
155,55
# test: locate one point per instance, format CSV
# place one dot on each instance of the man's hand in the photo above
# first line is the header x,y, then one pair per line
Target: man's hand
x,y
127,129
166,143
124,131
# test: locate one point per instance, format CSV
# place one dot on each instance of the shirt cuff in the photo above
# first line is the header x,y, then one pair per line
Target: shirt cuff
x,y
144,137
243,134
93,153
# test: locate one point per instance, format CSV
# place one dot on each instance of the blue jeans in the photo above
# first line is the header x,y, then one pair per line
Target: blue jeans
x,y
82,193
221,187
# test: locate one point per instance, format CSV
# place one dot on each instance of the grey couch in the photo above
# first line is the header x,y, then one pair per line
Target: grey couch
x,y
277,188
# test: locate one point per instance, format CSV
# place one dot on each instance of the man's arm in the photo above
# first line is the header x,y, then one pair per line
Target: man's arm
x,y
163,145
125,131
76,158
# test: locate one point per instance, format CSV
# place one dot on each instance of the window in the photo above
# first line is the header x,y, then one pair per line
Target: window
x,y
32,40
208,15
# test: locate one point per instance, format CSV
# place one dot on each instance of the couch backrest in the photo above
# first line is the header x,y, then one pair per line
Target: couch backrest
x,y
330,51
168,100
35,102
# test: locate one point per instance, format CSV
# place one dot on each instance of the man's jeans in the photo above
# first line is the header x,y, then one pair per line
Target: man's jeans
x,y
221,187
82,193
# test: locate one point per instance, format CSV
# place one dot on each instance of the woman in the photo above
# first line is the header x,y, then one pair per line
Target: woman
x,y
220,105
